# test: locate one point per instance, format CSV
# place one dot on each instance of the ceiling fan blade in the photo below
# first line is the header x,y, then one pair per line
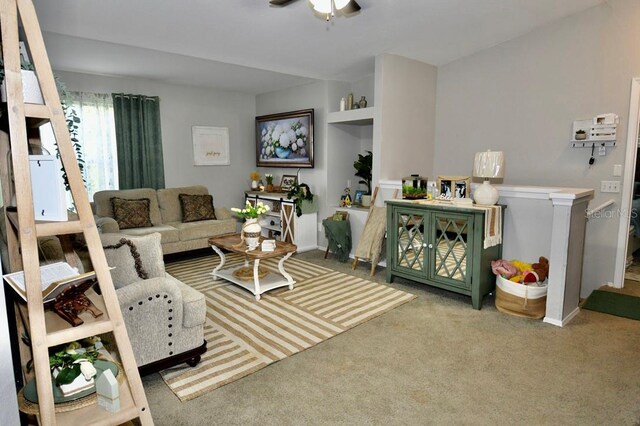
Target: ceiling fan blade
x,y
280,2
351,7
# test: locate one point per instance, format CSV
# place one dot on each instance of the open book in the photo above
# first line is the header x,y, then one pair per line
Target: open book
x,y
55,278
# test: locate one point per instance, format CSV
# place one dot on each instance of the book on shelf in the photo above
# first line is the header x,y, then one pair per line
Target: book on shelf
x,y
54,279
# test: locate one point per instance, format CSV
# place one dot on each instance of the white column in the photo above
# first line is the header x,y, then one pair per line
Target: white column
x,y
567,253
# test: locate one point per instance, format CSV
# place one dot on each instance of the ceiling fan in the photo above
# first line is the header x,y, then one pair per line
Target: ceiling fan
x,y
328,7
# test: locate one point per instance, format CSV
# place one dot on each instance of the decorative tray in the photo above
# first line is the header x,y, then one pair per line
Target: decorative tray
x,y
31,392
245,273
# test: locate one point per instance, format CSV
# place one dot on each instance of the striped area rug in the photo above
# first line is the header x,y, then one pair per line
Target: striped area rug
x,y
245,335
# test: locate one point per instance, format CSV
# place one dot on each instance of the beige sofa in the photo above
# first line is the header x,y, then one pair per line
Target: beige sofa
x,y
166,217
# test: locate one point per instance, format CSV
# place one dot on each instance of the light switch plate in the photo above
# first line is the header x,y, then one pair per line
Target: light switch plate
x,y
617,169
610,186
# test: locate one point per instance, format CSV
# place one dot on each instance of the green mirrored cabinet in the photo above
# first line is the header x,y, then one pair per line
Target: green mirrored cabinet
x,y
440,245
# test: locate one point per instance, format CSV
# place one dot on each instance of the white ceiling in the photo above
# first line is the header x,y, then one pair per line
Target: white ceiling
x,y
248,46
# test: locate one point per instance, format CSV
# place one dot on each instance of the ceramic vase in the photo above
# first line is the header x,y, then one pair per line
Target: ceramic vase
x,y
283,152
251,231
254,185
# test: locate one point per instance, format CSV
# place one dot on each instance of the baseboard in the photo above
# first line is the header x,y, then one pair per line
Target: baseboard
x,y
563,322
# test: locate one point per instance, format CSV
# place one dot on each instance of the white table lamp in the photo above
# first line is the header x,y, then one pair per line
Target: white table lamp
x,y
488,164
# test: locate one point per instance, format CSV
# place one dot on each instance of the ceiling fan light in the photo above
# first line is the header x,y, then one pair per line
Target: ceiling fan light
x,y
321,6
341,3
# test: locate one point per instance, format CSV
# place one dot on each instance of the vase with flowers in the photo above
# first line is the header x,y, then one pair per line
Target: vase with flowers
x,y
255,177
251,229
269,178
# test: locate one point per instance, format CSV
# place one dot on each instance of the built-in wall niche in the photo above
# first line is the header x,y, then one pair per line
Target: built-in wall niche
x,y
358,89
347,138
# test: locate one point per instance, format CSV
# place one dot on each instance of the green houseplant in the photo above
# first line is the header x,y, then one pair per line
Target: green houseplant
x,y
71,117
301,193
363,166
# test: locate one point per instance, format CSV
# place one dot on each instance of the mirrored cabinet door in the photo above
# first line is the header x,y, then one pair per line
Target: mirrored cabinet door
x,y
411,241
452,242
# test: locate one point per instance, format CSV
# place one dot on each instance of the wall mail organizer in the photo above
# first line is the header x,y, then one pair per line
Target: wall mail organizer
x,y
598,131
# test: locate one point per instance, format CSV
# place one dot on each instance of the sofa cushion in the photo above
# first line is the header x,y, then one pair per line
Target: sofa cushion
x,y
131,213
204,229
134,258
169,202
197,207
168,233
102,201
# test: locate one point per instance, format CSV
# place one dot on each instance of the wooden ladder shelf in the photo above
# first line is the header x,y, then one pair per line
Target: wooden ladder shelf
x,y
132,398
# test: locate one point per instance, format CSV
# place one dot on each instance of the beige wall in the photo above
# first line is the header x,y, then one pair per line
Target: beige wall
x,y
180,108
405,120
522,96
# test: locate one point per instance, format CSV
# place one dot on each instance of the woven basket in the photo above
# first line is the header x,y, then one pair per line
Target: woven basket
x,y
520,300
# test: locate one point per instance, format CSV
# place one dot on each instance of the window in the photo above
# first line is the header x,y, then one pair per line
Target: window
x,y
96,133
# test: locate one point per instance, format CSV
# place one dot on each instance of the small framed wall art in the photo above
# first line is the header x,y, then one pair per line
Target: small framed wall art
x,y
454,186
210,146
287,182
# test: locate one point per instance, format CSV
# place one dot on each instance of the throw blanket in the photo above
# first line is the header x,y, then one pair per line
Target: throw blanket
x,y
338,234
370,244
492,225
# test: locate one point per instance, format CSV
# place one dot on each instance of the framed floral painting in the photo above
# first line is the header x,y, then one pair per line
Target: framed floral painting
x,y
285,139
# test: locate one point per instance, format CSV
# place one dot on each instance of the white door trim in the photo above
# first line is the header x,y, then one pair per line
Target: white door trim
x,y
627,183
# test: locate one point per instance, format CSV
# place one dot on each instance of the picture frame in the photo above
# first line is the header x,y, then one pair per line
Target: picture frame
x,y
358,196
285,139
454,186
287,182
210,146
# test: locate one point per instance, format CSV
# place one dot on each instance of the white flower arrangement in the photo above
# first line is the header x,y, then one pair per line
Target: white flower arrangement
x,y
251,211
284,140
269,178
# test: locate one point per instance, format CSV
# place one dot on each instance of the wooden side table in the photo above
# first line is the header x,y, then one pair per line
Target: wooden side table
x,y
258,282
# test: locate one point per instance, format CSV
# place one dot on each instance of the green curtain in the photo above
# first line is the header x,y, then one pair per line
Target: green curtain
x,y
139,141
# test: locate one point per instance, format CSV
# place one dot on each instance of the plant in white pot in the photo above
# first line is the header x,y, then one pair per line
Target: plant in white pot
x,y
30,86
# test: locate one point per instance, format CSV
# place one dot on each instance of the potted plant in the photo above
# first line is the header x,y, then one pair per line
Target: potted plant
x,y
30,86
72,365
581,135
301,193
255,177
251,228
363,166
269,178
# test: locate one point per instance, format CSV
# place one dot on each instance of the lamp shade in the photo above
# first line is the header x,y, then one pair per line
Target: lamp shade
x,y
489,164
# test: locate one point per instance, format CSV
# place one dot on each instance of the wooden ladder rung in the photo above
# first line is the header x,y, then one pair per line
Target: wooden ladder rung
x,y
121,417
80,332
48,229
36,111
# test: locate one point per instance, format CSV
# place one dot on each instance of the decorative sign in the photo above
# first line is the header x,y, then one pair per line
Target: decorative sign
x,y
210,146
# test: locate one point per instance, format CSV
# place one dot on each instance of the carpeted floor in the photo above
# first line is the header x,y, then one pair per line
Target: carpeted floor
x,y
245,335
434,361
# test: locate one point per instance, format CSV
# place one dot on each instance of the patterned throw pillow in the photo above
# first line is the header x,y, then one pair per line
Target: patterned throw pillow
x,y
133,258
131,213
197,207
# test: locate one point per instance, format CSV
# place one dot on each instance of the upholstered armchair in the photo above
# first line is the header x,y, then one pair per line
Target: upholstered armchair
x,y
163,316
